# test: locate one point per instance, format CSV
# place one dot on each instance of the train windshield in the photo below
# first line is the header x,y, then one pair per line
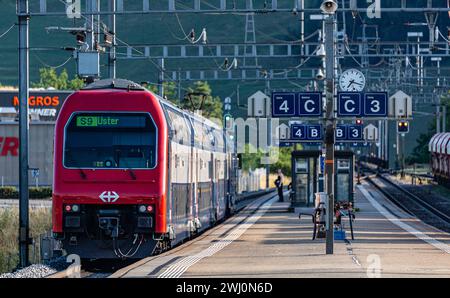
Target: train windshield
x,y
110,140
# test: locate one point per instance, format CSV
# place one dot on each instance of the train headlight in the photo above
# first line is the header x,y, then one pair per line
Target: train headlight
x,y
72,208
142,208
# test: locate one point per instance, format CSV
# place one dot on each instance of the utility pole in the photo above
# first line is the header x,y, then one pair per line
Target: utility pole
x,y
161,77
269,135
24,241
90,38
112,31
330,124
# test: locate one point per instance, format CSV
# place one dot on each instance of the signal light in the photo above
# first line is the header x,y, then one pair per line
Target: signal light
x,y
145,208
403,126
72,208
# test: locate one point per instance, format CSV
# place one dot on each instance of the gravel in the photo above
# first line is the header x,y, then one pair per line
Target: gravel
x,y
33,271
39,270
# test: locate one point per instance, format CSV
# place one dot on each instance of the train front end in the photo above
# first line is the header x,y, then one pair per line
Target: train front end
x,y
110,169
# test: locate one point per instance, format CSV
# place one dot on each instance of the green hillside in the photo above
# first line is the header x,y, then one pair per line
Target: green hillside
x,y
46,47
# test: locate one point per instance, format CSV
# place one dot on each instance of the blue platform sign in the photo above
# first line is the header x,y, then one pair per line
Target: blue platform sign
x,y
314,132
310,104
341,132
298,132
283,104
355,133
375,104
349,104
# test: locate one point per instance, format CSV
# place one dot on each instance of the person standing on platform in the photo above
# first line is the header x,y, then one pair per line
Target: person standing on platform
x,y
279,185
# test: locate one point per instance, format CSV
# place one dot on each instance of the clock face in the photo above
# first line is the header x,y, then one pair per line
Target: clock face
x,y
352,80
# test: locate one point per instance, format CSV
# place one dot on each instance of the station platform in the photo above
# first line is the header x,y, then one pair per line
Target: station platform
x,y
266,241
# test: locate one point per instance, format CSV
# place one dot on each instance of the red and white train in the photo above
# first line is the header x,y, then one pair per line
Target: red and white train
x,y
134,174
439,147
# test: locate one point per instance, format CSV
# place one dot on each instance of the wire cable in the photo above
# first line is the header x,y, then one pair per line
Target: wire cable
x,y
7,30
50,66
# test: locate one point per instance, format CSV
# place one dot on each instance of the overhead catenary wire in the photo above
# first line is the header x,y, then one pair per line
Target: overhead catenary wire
x,y
7,30
50,66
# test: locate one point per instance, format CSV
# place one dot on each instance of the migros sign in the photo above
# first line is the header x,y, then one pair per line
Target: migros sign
x,y
40,101
45,103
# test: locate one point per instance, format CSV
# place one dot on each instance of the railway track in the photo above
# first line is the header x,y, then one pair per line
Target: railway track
x,y
103,269
411,203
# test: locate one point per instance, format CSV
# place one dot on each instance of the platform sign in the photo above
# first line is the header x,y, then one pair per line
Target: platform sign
x,y
349,104
299,132
314,132
355,133
375,104
310,104
341,132
35,173
283,104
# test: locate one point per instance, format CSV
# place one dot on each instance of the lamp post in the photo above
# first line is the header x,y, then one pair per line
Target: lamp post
x,y
328,8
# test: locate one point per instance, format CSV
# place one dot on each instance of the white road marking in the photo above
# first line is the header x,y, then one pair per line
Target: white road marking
x,y
422,236
177,269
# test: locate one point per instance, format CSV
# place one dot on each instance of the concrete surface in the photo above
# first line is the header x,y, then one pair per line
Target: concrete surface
x,y
271,242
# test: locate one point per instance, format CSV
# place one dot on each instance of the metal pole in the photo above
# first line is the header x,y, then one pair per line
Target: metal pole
x,y
112,30
23,15
330,128
302,27
444,118
90,25
438,116
386,141
269,136
161,77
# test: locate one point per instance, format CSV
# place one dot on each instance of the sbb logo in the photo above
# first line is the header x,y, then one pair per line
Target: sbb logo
x,y
9,146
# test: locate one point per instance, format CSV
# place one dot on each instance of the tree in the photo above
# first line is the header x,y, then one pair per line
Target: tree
x,y
212,106
251,159
49,78
170,91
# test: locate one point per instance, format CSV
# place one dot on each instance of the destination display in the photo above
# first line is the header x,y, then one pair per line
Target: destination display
x,y
105,121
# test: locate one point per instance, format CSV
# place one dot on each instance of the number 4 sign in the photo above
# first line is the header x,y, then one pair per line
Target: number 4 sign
x,y
283,104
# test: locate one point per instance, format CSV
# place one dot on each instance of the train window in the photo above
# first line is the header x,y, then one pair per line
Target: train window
x,y
199,133
219,141
180,129
110,140
207,138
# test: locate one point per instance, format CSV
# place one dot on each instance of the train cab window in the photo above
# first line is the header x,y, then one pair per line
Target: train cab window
x,y
110,140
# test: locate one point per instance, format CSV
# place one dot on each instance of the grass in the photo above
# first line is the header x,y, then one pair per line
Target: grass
x,y
40,222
